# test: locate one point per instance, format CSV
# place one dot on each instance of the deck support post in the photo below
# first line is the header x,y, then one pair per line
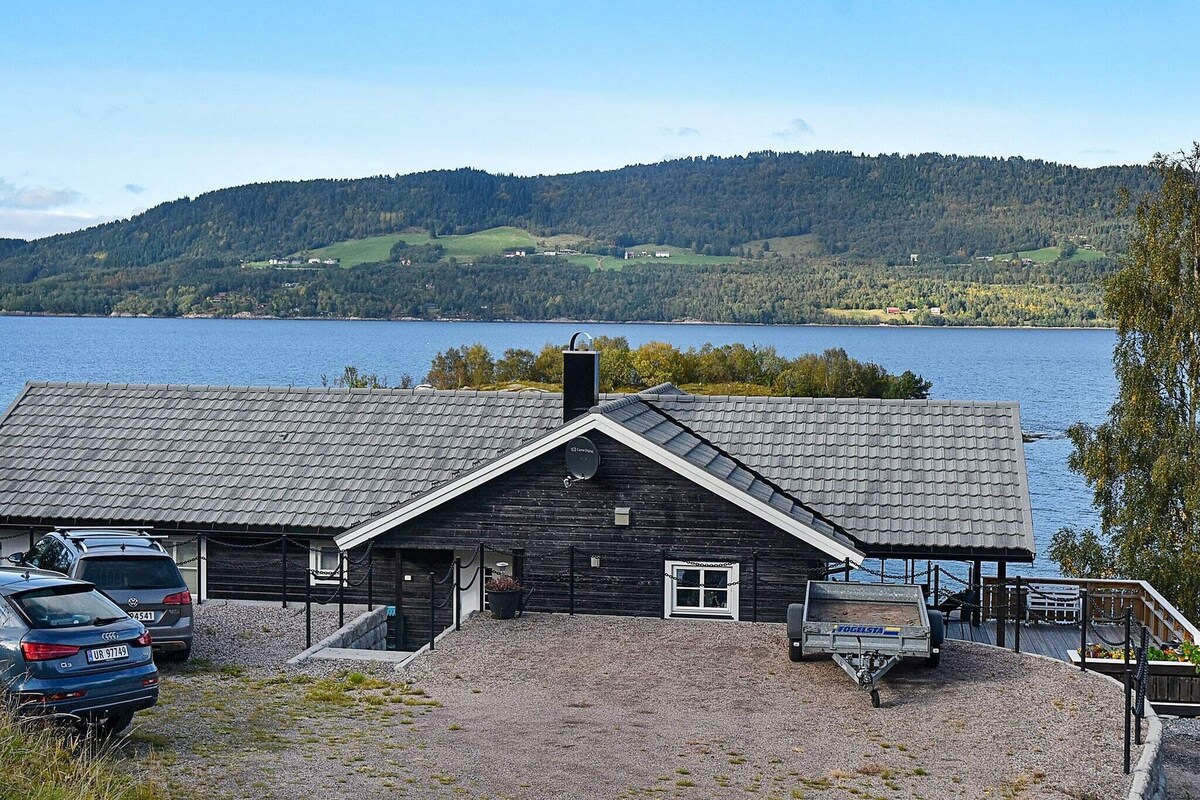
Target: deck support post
x,y
1000,601
977,586
1017,619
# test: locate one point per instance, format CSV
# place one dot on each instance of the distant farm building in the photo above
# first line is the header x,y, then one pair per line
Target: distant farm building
x,y
893,309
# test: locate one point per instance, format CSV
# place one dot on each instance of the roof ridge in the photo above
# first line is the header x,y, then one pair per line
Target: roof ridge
x,y
410,391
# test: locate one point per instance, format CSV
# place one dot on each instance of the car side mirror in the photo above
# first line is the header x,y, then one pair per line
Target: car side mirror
x,y
16,558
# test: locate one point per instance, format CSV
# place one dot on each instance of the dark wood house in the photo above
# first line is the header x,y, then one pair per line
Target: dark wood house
x,y
671,505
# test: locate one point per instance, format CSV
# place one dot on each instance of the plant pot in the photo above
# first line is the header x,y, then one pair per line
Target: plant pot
x,y
504,604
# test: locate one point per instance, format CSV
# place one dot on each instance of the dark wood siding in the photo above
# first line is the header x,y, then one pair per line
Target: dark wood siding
x,y
672,518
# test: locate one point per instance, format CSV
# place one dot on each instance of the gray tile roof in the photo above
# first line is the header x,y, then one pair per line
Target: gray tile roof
x,y
894,473
234,456
890,473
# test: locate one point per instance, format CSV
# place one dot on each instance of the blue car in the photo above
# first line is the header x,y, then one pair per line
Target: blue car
x,y
67,649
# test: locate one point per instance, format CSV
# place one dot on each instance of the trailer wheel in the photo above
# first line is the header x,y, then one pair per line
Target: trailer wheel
x,y
875,698
795,651
937,636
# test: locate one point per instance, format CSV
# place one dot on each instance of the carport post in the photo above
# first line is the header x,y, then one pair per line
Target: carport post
x,y
285,585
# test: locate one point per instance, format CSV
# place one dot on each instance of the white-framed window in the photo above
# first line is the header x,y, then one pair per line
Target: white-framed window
x,y
185,552
701,589
323,559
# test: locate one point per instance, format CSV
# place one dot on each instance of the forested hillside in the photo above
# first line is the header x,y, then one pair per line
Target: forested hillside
x,y
858,217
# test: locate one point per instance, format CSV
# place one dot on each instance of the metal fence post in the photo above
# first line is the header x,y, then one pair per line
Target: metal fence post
x,y
457,589
1017,619
201,558
307,612
1128,685
482,573
1001,612
32,538
432,623
341,589
846,574
937,584
1139,709
370,578
1083,623
754,608
571,580
284,571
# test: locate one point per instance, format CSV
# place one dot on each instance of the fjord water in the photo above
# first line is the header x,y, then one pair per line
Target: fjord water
x,y
1059,376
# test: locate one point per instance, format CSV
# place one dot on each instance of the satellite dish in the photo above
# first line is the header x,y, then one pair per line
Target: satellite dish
x,y
583,459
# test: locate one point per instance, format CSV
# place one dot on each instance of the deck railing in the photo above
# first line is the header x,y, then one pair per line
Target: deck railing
x,y
1107,600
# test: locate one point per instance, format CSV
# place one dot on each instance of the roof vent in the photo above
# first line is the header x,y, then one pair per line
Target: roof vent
x,y
581,377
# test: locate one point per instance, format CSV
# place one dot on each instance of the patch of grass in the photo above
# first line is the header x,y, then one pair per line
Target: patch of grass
x,y
42,762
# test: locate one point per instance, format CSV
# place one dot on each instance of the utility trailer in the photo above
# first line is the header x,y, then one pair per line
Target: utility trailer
x,y
867,628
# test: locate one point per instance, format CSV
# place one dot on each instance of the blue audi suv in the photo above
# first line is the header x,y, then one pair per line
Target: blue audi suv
x,y
67,649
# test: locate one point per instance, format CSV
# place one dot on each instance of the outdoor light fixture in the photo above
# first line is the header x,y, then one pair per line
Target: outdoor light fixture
x,y
595,561
501,566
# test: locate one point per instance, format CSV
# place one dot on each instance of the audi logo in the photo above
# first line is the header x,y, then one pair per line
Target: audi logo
x,y
132,602
109,637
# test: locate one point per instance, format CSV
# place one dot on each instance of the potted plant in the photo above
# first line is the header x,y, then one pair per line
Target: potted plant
x,y
504,596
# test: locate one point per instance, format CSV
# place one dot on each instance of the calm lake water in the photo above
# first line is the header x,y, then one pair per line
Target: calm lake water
x,y
1059,376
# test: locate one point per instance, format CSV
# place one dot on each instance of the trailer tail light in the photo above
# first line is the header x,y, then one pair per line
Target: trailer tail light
x,y
144,640
41,651
183,598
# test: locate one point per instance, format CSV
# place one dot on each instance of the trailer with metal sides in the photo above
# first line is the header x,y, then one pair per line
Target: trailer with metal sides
x,y
867,628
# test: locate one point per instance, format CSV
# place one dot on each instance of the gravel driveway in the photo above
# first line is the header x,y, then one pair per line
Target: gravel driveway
x,y
555,706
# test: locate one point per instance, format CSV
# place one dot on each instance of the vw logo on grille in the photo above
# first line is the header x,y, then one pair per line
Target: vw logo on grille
x,y
108,637
132,602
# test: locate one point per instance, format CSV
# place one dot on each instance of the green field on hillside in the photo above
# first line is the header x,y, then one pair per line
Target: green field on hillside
x,y
468,246
1048,254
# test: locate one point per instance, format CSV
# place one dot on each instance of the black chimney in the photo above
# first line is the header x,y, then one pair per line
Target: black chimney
x,y
581,378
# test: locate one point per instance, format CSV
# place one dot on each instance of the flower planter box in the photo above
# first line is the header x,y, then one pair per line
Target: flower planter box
x,y
1172,687
504,604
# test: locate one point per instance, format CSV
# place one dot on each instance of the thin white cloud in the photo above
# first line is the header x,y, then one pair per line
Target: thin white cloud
x,y
134,188
795,129
682,133
35,197
22,223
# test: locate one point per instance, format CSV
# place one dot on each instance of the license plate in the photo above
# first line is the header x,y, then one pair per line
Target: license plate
x,y
142,616
117,651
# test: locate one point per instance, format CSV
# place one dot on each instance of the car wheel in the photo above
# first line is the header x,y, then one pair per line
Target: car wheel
x,y
114,723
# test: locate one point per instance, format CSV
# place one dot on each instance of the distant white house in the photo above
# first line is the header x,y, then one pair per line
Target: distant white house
x,y
935,310
314,261
330,261
913,258
661,254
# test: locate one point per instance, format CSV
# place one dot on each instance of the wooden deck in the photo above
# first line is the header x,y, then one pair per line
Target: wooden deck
x,y
1043,638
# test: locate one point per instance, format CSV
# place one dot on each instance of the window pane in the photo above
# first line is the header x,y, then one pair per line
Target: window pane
x,y
327,559
687,577
716,578
687,598
716,598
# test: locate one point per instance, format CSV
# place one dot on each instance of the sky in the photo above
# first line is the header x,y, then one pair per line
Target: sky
x,y
109,108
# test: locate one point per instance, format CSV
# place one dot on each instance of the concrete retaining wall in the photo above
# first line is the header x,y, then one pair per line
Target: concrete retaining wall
x,y
1149,775
368,631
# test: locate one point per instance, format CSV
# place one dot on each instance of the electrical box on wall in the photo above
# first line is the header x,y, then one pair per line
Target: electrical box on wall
x,y
621,515
595,561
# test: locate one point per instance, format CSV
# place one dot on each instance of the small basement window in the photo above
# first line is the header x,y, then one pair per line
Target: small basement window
x,y
323,560
701,589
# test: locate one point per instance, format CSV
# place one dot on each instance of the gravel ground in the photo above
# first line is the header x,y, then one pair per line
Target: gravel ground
x,y
259,634
1183,758
581,707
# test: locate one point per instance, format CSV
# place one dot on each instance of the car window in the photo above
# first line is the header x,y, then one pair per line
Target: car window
x,y
131,573
57,557
66,606
34,557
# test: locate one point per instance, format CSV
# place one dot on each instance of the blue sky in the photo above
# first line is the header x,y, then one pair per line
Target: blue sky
x,y
109,108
